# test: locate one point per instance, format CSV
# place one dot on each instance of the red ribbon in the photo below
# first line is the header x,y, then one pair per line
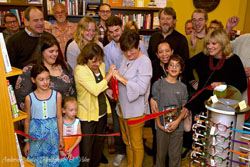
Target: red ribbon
x,y
113,84
154,115
28,136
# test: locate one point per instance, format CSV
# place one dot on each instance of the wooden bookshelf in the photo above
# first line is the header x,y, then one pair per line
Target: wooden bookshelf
x,y
15,71
22,116
8,153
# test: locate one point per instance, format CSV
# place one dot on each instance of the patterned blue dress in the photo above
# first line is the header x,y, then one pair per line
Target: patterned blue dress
x,y
43,125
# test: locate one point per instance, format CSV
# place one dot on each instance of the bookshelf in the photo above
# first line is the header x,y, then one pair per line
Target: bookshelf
x,y
143,11
19,6
116,10
8,154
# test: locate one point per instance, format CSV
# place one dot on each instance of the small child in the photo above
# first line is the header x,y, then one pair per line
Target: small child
x,y
44,120
168,93
69,157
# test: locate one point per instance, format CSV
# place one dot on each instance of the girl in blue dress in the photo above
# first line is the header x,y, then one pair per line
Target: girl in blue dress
x,y
44,121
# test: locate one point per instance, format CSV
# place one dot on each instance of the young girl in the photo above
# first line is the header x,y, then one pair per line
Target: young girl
x,y
44,120
69,157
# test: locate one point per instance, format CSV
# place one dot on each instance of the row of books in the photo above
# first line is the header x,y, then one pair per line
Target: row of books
x,y
76,7
144,21
19,14
8,68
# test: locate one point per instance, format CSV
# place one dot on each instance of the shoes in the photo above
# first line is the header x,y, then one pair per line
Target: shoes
x,y
104,160
118,159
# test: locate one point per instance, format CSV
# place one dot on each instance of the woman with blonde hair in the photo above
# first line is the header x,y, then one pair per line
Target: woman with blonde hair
x,y
216,65
86,32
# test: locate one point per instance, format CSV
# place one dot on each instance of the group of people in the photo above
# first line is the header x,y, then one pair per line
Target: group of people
x,y
64,88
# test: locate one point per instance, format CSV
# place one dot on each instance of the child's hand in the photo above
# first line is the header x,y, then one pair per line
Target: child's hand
x,y
160,126
27,149
69,152
62,154
61,144
172,126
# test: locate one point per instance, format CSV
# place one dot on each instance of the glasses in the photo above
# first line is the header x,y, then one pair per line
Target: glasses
x,y
198,20
218,150
219,139
219,126
11,22
217,160
105,11
60,12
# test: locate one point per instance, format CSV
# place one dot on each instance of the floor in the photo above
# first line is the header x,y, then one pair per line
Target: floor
x,y
148,160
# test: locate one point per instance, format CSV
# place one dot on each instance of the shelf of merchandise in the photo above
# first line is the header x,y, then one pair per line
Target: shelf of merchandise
x,y
8,153
22,116
15,71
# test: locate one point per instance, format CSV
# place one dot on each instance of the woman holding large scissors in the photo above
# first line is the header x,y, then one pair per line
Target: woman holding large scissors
x,y
134,83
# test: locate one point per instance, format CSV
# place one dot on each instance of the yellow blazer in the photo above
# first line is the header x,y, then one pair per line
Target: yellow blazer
x,y
88,91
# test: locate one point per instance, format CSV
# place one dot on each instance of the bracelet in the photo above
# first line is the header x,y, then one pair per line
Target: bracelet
x,y
26,140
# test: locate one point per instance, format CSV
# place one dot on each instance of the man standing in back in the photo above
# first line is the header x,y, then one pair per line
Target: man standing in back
x,y
167,18
104,12
22,44
63,30
11,24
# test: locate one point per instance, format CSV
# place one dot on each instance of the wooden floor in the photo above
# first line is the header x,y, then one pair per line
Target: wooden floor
x,y
148,160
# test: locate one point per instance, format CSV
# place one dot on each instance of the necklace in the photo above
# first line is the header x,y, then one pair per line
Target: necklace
x,y
218,66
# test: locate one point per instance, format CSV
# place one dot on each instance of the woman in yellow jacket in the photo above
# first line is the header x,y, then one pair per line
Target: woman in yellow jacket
x,y
93,105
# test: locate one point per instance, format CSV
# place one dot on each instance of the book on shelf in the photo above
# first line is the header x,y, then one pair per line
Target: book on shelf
x,y
115,3
143,20
139,3
161,3
5,55
128,3
20,157
145,39
34,1
13,102
15,12
156,23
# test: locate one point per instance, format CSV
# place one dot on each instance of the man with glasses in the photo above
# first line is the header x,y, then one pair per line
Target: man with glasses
x,y
196,39
11,24
104,12
63,30
167,18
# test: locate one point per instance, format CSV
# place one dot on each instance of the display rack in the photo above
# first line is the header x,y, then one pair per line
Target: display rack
x,y
8,154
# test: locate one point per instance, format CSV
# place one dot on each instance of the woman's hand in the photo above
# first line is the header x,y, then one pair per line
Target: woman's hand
x,y
214,84
120,78
26,149
108,76
109,92
154,106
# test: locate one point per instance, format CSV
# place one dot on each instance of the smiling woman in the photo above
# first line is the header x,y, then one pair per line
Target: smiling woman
x,y
49,54
214,66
